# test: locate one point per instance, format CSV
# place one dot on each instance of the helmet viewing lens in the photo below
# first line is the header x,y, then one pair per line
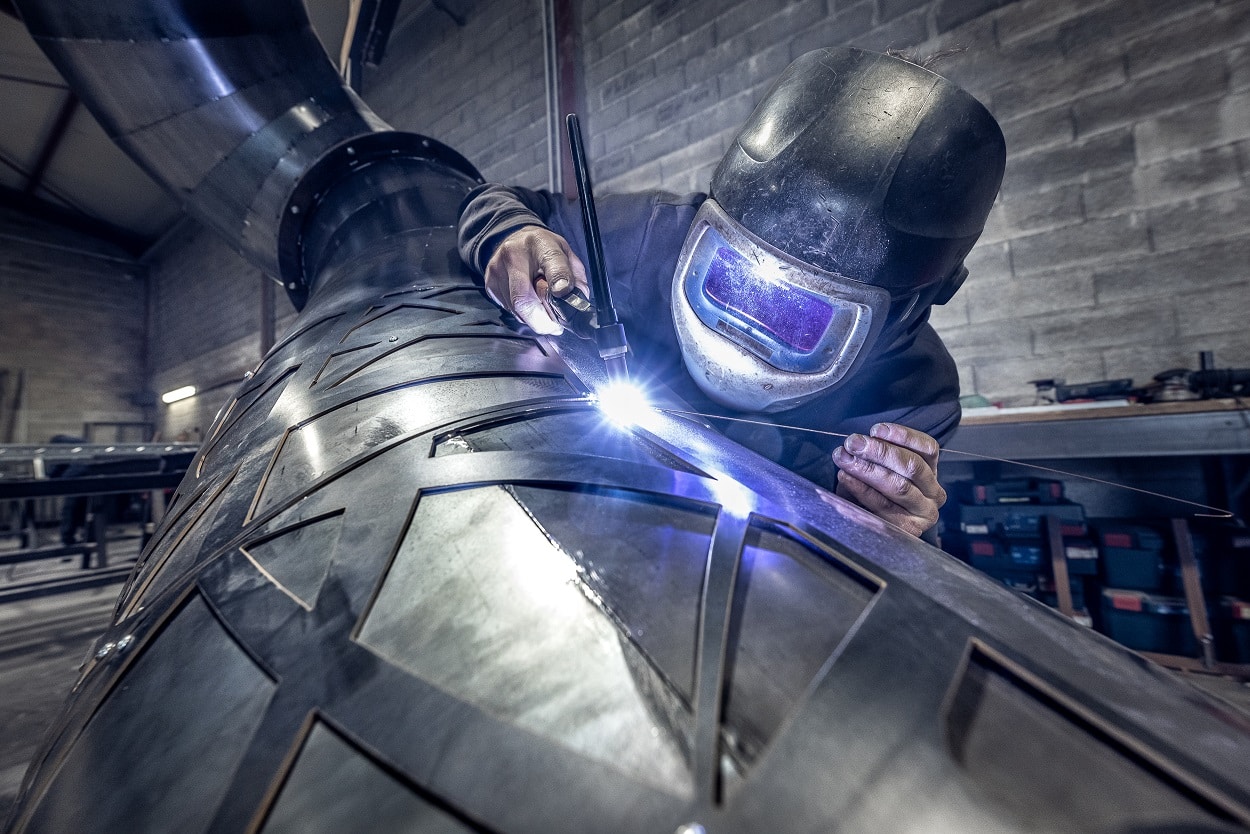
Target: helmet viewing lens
x,y
793,316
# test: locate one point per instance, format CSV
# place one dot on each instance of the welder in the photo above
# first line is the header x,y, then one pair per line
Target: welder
x,y
796,293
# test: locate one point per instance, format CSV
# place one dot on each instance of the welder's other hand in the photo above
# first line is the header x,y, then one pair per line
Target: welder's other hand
x,y
893,474
528,264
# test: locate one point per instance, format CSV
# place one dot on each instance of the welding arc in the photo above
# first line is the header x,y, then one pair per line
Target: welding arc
x,y
1213,512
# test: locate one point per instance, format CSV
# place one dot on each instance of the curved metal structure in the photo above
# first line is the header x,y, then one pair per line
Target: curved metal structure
x,y
416,581
230,104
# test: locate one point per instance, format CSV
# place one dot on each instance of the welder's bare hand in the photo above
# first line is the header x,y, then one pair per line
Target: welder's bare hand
x,y
892,473
529,264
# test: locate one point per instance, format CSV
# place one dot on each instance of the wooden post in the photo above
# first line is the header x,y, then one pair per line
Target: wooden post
x,y
1191,581
1059,564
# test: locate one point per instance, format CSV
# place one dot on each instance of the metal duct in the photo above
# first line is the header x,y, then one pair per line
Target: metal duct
x,y
229,104
414,580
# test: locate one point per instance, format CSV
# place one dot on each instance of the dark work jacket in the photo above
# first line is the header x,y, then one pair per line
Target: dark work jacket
x,y
912,381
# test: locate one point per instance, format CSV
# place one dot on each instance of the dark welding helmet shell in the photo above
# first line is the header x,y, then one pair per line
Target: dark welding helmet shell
x,y
870,167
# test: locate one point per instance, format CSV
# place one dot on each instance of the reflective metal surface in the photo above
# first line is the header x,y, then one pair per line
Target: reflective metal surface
x,y
415,580
484,605
229,104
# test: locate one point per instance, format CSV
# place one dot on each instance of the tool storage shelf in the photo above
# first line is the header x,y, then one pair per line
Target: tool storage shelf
x,y
1197,451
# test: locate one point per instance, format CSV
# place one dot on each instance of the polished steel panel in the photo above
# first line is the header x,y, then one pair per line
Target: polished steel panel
x,y
642,559
327,441
1032,756
794,605
450,609
298,558
335,787
192,674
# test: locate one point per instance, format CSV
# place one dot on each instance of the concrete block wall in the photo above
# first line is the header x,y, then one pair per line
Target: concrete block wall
x,y
72,314
479,87
1117,248
1119,245
206,324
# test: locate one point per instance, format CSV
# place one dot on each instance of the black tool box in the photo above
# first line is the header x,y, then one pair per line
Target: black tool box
x,y
1133,557
1225,548
1147,622
995,554
1231,625
1137,556
1010,491
1019,520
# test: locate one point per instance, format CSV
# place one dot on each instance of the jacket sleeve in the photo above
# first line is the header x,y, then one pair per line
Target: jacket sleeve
x,y
492,212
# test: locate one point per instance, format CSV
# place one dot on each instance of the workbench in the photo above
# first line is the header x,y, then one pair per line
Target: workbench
x,y
1196,450
1194,427
87,473
1123,460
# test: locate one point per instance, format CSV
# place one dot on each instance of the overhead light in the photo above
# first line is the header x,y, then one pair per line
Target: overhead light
x,y
178,394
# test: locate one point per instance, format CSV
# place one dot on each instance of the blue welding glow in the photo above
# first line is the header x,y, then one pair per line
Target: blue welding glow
x,y
733,496
624,404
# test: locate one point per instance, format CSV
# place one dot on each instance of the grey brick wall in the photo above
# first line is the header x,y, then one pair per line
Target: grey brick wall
x,y
71,319
207,323
479,88
1117,248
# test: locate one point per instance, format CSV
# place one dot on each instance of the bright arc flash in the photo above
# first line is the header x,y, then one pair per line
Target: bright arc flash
x,y
624,403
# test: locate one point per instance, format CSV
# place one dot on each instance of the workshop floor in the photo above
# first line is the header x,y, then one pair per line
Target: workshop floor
x,y
43,641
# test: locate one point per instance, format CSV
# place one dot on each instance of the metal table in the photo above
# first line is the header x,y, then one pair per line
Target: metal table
x,y
1200,427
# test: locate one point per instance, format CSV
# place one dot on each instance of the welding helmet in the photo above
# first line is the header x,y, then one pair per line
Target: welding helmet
x,y
842,211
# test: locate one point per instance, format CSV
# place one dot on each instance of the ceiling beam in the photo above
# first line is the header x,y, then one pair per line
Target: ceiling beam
x,y
75,221
52,143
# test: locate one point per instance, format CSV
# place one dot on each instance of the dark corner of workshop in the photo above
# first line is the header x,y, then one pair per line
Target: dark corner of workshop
x,y
842,424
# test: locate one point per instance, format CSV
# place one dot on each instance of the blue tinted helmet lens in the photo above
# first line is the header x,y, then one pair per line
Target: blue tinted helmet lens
x,y
790,314
794,317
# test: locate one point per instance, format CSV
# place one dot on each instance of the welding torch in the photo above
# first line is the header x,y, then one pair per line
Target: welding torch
x,y
573,307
